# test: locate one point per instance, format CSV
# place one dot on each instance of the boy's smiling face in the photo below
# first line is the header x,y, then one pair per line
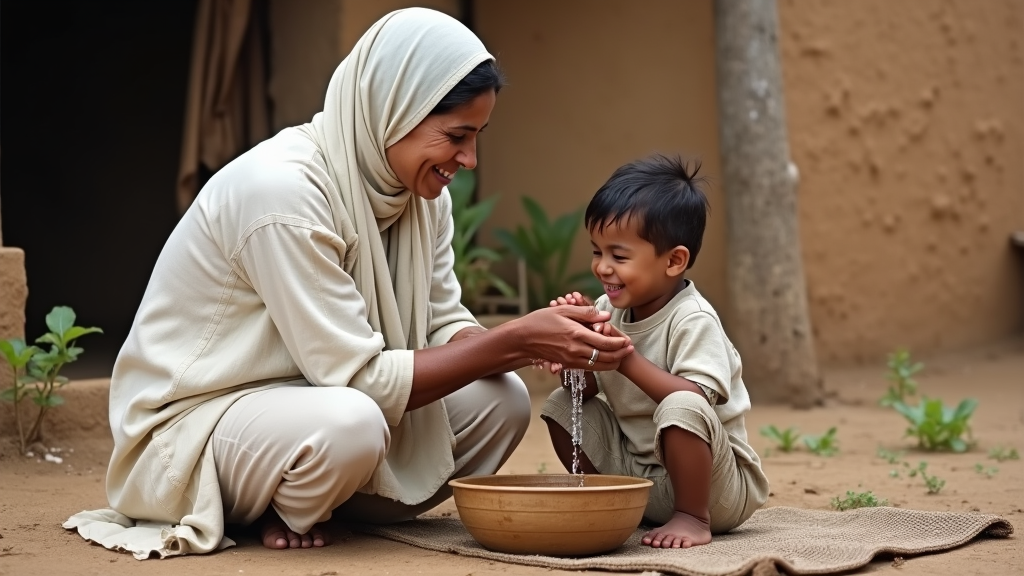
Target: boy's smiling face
x,y
633,274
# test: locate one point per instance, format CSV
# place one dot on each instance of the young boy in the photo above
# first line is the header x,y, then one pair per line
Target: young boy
x,y
673,411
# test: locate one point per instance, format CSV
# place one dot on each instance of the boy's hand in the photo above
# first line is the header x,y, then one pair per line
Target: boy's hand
x,y
606,329
546,365
571,299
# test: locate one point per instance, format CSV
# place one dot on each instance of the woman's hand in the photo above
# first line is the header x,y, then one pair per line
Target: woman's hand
x,y
563,335
570,299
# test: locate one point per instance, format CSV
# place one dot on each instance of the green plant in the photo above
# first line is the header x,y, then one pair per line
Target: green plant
x,y
37,372
472,264
937,426
901,372
785,440
857,500
987,472
933,483
542,468
546,247
824,445
1003,453
890,456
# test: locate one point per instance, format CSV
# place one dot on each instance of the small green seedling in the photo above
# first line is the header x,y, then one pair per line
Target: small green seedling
x,y
37,371
785,440
824,445
933,483
890,456
901,372
543,468
1003,453
895,458
857,500
937,426
987,472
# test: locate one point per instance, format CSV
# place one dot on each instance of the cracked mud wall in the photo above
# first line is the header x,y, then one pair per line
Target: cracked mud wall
x,y
906,120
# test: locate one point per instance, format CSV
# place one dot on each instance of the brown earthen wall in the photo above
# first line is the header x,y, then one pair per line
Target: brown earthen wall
x,y
13,295
906,121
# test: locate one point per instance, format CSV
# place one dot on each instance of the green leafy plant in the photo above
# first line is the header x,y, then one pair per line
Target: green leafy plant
x,y
542,468
37,371
988,472
901,372
785,440
933,483
937,426
472,265
824,445
857,500
1003,453
18,355
546,247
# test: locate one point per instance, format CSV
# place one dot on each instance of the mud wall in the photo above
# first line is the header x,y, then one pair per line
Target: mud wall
x,y
906,123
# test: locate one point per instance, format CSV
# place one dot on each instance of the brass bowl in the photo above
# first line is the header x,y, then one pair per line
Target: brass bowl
x,y
550,513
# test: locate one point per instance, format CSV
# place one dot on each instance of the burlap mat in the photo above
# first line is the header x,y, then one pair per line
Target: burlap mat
x,y
790,539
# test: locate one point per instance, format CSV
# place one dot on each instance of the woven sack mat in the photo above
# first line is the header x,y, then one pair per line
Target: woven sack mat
x,y
793,540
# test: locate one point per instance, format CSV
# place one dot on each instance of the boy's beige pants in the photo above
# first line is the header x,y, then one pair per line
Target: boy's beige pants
x,y
738,488
305,450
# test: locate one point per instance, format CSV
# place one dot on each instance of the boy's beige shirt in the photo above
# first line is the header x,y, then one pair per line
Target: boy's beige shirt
x,y
685,338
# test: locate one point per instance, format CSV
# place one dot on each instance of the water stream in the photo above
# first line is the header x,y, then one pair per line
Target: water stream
x,y
575,379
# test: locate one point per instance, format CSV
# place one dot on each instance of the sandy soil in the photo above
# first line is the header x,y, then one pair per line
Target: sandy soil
x,y
37,496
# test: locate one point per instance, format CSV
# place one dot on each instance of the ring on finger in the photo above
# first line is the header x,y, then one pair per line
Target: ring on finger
x,y
593,358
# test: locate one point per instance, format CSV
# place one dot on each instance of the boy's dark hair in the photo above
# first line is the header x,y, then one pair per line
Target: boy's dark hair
x,y
663,195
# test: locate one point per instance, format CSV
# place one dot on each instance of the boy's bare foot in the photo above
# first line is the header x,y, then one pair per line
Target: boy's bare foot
x,y
682,531
275,534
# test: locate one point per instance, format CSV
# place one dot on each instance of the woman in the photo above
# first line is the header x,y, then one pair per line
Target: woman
x,y
301,348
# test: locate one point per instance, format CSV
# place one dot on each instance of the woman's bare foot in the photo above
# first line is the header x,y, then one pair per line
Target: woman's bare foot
x,y
682,531
275,534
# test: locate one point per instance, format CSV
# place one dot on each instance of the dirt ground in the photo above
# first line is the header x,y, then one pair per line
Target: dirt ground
x,y
36,496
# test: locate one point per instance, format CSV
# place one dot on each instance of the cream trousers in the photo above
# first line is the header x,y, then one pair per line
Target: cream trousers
x,y
306,450
738,488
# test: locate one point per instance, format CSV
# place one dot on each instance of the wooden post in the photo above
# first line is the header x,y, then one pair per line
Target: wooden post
x,y
771,324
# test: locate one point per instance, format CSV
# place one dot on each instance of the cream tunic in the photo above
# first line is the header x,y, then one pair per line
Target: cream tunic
x,y
305,260
684,338
250,293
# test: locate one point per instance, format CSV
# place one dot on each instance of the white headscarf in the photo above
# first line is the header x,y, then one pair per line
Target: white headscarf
x,y
397,72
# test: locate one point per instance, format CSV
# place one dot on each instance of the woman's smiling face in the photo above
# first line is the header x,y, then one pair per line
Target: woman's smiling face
x,y
426,158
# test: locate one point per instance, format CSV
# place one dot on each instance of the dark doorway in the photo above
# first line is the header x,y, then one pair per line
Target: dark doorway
x,y
93,99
